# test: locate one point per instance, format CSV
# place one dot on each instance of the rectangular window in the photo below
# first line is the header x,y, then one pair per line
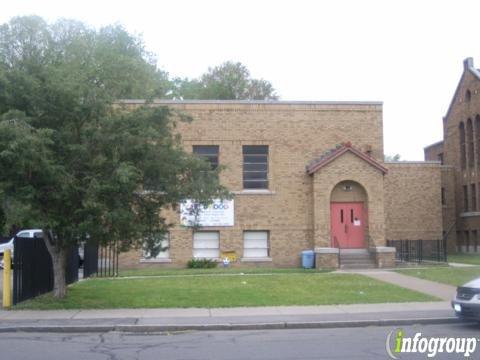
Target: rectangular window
x,y
161,250
206,245
473,195
255,167
209,152
444,198
465,198
255,244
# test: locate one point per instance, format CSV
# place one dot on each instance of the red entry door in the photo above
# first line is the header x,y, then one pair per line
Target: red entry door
x,y
348,225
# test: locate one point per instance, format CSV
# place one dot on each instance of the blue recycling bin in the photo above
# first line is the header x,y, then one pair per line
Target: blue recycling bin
x,y
308,259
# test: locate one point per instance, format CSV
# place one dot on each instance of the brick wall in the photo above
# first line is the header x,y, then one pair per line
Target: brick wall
x,y
296,134
412,201
295,209
434,152
462,108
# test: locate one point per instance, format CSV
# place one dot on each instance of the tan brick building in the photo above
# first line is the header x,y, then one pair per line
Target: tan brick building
x,y
459,152
305,175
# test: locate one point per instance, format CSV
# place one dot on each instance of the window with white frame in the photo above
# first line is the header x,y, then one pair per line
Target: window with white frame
x,y
206,245
160,249
255,244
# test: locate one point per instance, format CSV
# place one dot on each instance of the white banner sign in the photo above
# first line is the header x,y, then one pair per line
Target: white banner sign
x,y
218,213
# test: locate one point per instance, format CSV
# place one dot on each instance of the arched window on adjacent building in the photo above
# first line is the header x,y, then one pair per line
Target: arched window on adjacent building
x,y
463,155
470,146
477,138
468,96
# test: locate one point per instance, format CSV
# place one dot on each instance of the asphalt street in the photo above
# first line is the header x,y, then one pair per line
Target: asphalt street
x,y
344,343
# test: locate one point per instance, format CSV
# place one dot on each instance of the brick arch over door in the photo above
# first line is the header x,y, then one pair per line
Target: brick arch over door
x,y
348,166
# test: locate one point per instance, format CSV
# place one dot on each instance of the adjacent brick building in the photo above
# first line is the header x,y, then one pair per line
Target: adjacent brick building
x,y
305,175
459,152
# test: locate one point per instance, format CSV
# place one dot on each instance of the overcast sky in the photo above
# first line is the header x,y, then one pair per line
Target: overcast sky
x,y
407,54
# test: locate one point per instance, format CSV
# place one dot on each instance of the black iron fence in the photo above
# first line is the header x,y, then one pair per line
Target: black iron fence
x,y
100,261
90,259
419,250
33,268
108,260
72,265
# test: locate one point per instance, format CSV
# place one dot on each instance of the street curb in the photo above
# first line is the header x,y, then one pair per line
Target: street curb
x,y
228,326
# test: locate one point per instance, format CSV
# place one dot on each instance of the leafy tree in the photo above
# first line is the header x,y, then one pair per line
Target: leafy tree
x,y
395,157
228,81
75,163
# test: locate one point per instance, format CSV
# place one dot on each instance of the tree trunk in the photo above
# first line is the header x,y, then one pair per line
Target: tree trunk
x,y
59,260
59,283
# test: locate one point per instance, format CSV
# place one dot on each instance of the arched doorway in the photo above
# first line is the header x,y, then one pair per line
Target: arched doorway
x,y
348,215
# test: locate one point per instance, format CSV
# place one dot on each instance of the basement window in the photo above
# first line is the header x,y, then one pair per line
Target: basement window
x,y
206,245
255,244
161,251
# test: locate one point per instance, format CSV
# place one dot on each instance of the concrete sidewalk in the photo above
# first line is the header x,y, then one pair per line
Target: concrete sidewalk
x,y
280,317
441,291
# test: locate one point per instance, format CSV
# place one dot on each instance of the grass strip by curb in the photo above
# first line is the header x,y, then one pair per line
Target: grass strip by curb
x,y
221,291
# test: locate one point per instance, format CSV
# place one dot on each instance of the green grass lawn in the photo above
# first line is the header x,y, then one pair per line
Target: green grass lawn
x,y
448,275
226,291
219,270
465,259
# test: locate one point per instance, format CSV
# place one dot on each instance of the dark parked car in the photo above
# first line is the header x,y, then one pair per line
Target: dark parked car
x,y
467,301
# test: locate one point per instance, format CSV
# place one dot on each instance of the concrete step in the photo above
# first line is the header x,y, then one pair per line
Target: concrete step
x,y
344,261
356,259
353,251
355,256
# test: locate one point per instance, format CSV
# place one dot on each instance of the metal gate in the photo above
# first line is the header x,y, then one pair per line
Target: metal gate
x,y
419,250
100,260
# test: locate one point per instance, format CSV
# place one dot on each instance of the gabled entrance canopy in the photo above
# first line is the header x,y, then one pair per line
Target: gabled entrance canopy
x,y
333,154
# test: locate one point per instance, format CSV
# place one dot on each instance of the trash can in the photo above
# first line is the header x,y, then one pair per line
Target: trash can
x,y
308,259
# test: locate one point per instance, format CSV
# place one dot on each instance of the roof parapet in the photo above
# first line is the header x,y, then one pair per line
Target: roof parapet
x,y
468,63
468,66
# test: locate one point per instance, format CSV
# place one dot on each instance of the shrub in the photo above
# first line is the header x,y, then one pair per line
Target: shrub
x,y
201,264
